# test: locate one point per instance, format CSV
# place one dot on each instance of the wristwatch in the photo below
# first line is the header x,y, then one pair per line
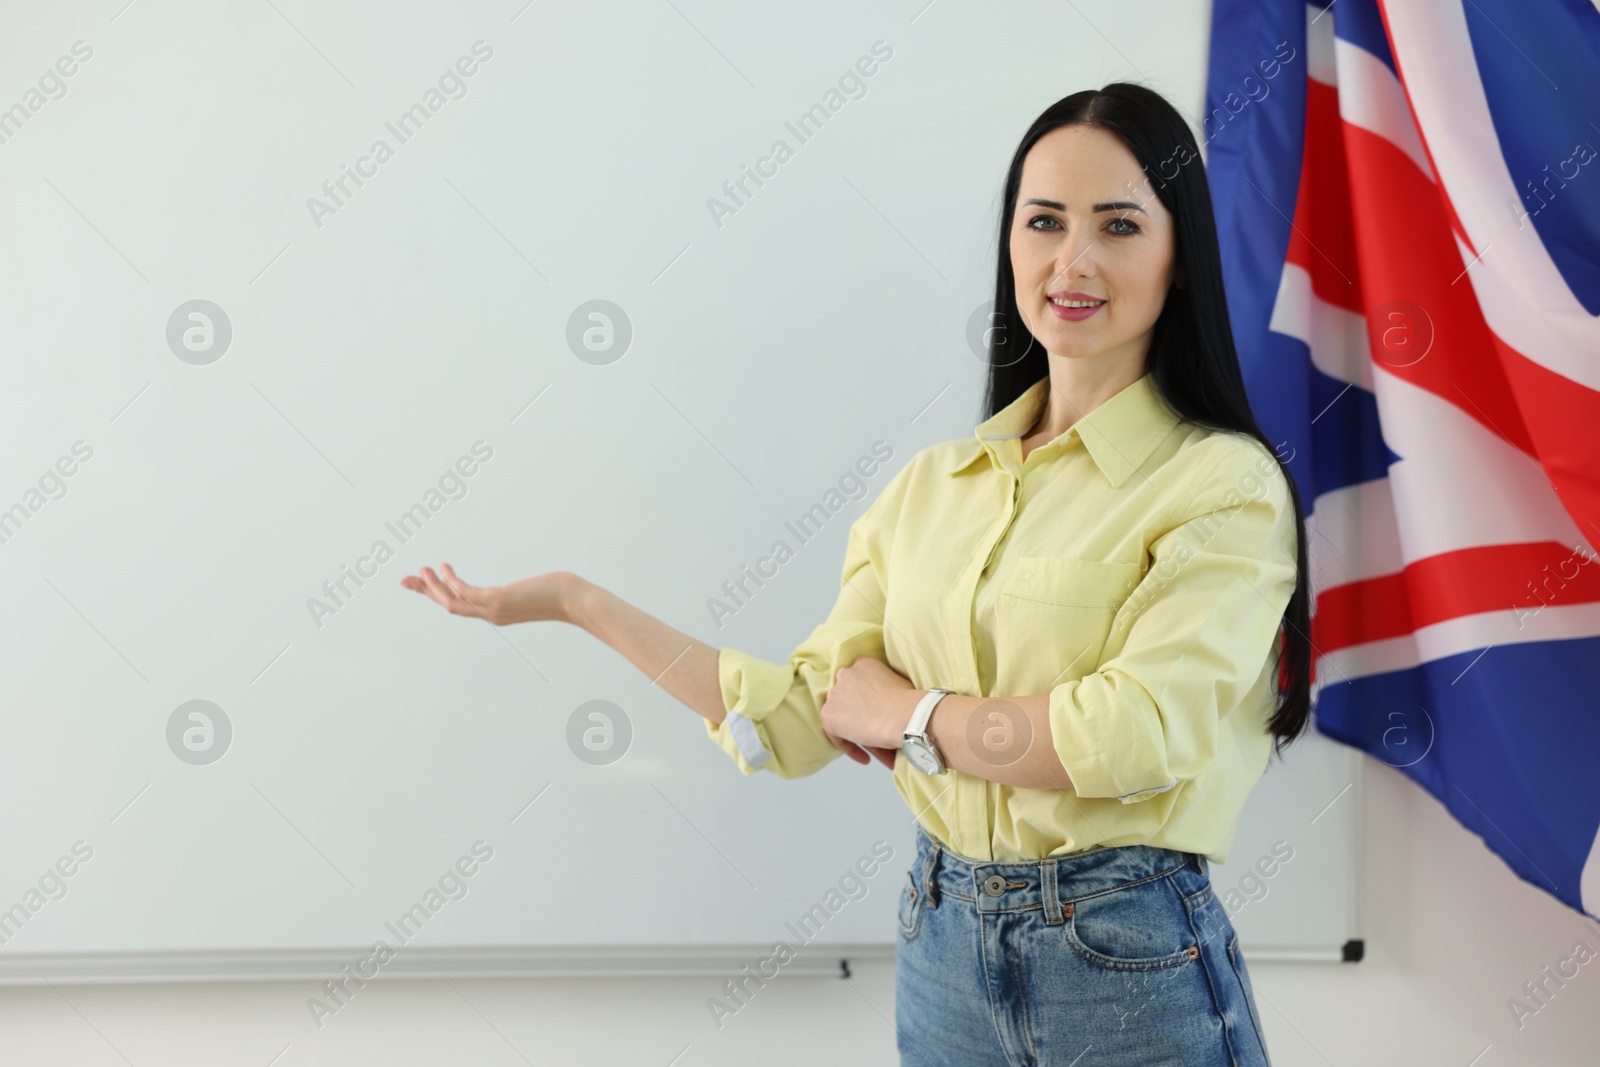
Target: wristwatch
x,y
916,745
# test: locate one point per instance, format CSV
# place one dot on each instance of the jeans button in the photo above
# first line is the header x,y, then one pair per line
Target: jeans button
x,y
994,885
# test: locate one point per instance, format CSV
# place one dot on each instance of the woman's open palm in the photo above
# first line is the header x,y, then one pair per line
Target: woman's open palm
x,y
536,599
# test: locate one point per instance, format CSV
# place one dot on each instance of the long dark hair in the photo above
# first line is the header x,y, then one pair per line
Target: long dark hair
x,y
1192,358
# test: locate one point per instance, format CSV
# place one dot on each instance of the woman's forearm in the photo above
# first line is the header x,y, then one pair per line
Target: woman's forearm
x,y
1002,739
1013,734
676,662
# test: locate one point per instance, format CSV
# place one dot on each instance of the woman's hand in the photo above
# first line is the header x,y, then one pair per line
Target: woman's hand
x,y
542,598
865,710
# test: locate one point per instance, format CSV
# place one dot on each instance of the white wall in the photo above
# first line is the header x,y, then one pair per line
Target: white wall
x,y
1452,934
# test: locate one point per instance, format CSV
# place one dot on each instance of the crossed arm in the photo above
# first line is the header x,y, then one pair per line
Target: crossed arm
x,y
1144,721
867,708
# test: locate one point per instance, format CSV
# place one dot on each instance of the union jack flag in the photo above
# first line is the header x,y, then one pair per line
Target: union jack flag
x,y
1408,202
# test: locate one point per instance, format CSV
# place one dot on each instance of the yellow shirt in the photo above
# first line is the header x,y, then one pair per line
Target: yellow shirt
x,y
1136,568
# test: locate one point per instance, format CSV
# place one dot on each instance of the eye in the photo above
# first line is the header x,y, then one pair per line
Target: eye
x,y
1040,218
1132,229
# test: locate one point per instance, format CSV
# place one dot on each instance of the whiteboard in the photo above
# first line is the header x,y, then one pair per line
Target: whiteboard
x,y
533,336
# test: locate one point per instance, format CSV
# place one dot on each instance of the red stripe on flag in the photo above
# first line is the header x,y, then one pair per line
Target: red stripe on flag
x,y
1415,291
1321,241
1523,577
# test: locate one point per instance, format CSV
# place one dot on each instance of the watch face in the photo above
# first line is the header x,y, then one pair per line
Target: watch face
x,y
921,756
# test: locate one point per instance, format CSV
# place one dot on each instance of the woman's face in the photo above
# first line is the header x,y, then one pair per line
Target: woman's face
x,y
1088,226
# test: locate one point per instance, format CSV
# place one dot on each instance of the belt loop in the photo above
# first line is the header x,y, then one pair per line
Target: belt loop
x,y
1047,892
1197,862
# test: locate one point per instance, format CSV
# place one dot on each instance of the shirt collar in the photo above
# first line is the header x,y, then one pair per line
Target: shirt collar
x,y
1119,434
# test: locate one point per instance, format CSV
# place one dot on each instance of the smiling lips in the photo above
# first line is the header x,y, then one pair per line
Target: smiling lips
x,y
1074,307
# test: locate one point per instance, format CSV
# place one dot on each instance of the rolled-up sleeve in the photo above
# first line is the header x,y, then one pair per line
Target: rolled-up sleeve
x,y
1196,636
774,716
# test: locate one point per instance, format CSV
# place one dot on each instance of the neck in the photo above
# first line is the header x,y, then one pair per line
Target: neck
x,y
1076,388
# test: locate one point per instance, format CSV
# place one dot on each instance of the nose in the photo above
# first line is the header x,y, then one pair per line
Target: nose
x,y
1075,260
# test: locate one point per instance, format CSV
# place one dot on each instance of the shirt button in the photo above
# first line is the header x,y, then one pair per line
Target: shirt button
x,y
994,885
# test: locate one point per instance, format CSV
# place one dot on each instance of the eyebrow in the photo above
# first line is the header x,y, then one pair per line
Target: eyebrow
x,y
1115,205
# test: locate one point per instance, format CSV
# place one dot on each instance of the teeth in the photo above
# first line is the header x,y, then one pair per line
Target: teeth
x,y
1076,303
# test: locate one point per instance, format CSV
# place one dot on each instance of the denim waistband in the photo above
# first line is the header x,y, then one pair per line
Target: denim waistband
x,y
998,886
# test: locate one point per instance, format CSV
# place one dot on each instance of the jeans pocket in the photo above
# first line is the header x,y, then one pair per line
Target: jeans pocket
x,y
911,902
1140,926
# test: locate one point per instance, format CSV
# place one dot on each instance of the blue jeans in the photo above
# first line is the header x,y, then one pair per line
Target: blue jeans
x,y
1104,958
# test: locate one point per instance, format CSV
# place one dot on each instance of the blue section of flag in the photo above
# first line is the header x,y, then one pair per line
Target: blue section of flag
x,y
1543,88
1358,22
1346,440
1326,430
1280,381
1253,168
1505,739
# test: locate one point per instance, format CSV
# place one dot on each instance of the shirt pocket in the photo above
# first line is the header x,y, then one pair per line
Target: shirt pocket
x,y
1054,615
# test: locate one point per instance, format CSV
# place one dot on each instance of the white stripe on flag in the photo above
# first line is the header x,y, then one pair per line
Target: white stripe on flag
x,y
1320,63
1337,338
1524,298
1370,97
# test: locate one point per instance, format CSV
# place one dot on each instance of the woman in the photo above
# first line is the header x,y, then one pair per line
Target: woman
x,y
1082,627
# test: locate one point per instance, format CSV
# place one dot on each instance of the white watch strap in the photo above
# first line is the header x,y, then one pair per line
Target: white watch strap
x,y
918,726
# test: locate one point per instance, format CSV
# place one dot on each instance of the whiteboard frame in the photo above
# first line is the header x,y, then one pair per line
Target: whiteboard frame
x,y
822,960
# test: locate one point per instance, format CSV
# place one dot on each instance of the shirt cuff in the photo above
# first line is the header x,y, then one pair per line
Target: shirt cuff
x,y
1101,746
1144,794
751,689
